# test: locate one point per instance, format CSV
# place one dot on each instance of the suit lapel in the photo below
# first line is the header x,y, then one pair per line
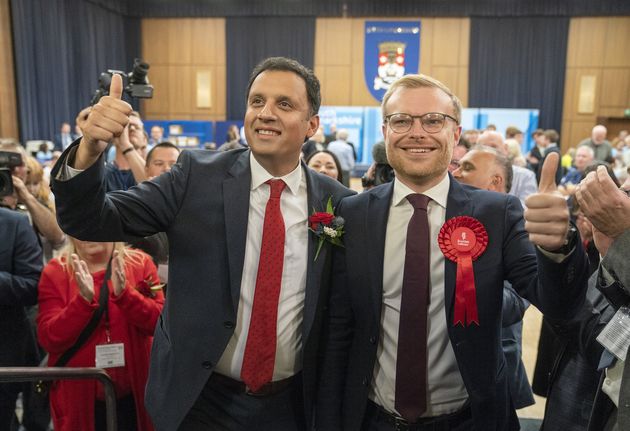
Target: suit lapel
x,y
376,226
316,202
236,212
457,204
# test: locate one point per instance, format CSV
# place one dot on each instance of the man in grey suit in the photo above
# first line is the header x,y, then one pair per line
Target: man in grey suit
x,y
242,260
608,209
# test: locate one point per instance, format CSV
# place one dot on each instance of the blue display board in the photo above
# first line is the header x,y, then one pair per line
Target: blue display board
x,y
525,119
221,128
345,117
372,133
185,133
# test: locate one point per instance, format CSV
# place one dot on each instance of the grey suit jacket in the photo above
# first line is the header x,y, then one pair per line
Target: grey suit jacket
x,y
202,205
616,259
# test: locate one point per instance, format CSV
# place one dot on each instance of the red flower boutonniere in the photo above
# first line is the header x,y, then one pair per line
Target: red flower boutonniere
x,y
148,287
326,226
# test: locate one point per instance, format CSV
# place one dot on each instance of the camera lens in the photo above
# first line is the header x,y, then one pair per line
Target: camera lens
x,y
139,72
6,182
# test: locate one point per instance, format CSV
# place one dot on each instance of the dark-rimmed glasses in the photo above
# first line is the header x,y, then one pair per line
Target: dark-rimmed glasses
x,y
431,122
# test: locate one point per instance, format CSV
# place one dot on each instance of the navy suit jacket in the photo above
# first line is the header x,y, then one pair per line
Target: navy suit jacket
x,y
352,337
20,268
202,205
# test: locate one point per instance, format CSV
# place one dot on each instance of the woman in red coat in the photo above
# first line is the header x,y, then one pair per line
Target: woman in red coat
x,y
68,296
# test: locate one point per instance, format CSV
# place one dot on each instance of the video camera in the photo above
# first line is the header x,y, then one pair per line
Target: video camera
x,y
383,172
135,83
8,161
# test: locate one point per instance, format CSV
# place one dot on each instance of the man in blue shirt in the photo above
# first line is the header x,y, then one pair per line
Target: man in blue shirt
x,y
343,150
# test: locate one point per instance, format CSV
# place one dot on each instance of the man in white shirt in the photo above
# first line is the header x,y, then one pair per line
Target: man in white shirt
x,y
237,344
523,180
414,334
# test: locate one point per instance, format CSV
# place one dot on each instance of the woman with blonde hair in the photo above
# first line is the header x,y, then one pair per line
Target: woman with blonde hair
x,y
514,153
118,286
36,185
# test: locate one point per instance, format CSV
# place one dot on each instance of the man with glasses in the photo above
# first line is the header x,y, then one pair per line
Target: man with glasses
x,y
608,209
414,339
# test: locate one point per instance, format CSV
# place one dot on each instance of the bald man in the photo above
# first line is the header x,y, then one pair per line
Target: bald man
x,y
584,156
485,168
599,144
523,180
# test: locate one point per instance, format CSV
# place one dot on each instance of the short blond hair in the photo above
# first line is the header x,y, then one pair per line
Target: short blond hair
x,y
128,254
35,175
422,81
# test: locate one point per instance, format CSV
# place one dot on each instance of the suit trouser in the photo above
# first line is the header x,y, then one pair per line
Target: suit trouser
x,y
8,396
220,408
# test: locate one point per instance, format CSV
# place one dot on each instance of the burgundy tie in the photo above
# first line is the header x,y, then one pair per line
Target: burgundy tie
x,y
411,358
260,349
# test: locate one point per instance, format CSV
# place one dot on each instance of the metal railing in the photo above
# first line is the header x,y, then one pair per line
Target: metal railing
x,y
33,374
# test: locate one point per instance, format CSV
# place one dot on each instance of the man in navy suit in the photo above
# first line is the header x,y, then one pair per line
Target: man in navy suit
x,y
414,339
213,206
20,266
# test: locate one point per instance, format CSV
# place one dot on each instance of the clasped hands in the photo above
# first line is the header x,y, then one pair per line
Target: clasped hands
x,y
86,282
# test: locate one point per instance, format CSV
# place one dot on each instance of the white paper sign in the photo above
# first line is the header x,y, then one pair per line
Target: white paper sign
x,y
110,355
615,337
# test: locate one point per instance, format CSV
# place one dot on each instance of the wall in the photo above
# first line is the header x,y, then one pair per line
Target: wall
x,y
8,105
597,47
177,49
339,57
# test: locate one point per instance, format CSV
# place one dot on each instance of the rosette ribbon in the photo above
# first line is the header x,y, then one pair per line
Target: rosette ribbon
x,y
463,239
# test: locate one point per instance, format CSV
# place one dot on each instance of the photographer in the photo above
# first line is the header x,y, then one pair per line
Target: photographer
x,y
42,218
380,172
20,266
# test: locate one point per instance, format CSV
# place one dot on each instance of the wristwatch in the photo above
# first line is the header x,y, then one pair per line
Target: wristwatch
x,y
570,240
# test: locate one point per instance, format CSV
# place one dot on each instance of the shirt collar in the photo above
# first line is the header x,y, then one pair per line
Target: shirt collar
x,y
260,175
438,193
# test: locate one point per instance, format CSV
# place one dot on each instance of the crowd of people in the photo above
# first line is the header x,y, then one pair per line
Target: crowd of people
x,y
251,289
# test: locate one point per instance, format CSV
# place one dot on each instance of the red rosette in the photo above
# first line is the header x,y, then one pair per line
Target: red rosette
x,y
463,239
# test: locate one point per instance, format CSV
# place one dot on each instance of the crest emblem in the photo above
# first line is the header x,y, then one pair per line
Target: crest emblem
x,y
391,64
392,49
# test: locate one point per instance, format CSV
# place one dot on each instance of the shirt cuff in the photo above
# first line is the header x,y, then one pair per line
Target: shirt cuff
x,y
606,279
556,257
67,172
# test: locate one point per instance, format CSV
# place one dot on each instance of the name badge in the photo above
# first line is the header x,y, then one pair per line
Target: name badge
x,y
615,337
110,355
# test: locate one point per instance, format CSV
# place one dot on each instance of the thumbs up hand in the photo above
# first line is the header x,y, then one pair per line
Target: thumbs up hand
x,y
106,120
547,214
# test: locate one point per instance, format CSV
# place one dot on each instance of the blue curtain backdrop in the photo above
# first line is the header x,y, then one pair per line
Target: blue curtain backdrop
x,y
365,8
60,49
251,40
519,63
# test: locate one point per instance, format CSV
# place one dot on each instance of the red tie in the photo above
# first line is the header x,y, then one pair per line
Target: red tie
x,y
411,359
260,349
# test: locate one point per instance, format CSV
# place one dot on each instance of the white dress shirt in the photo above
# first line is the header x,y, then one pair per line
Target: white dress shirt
x,y
293,204
445,392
